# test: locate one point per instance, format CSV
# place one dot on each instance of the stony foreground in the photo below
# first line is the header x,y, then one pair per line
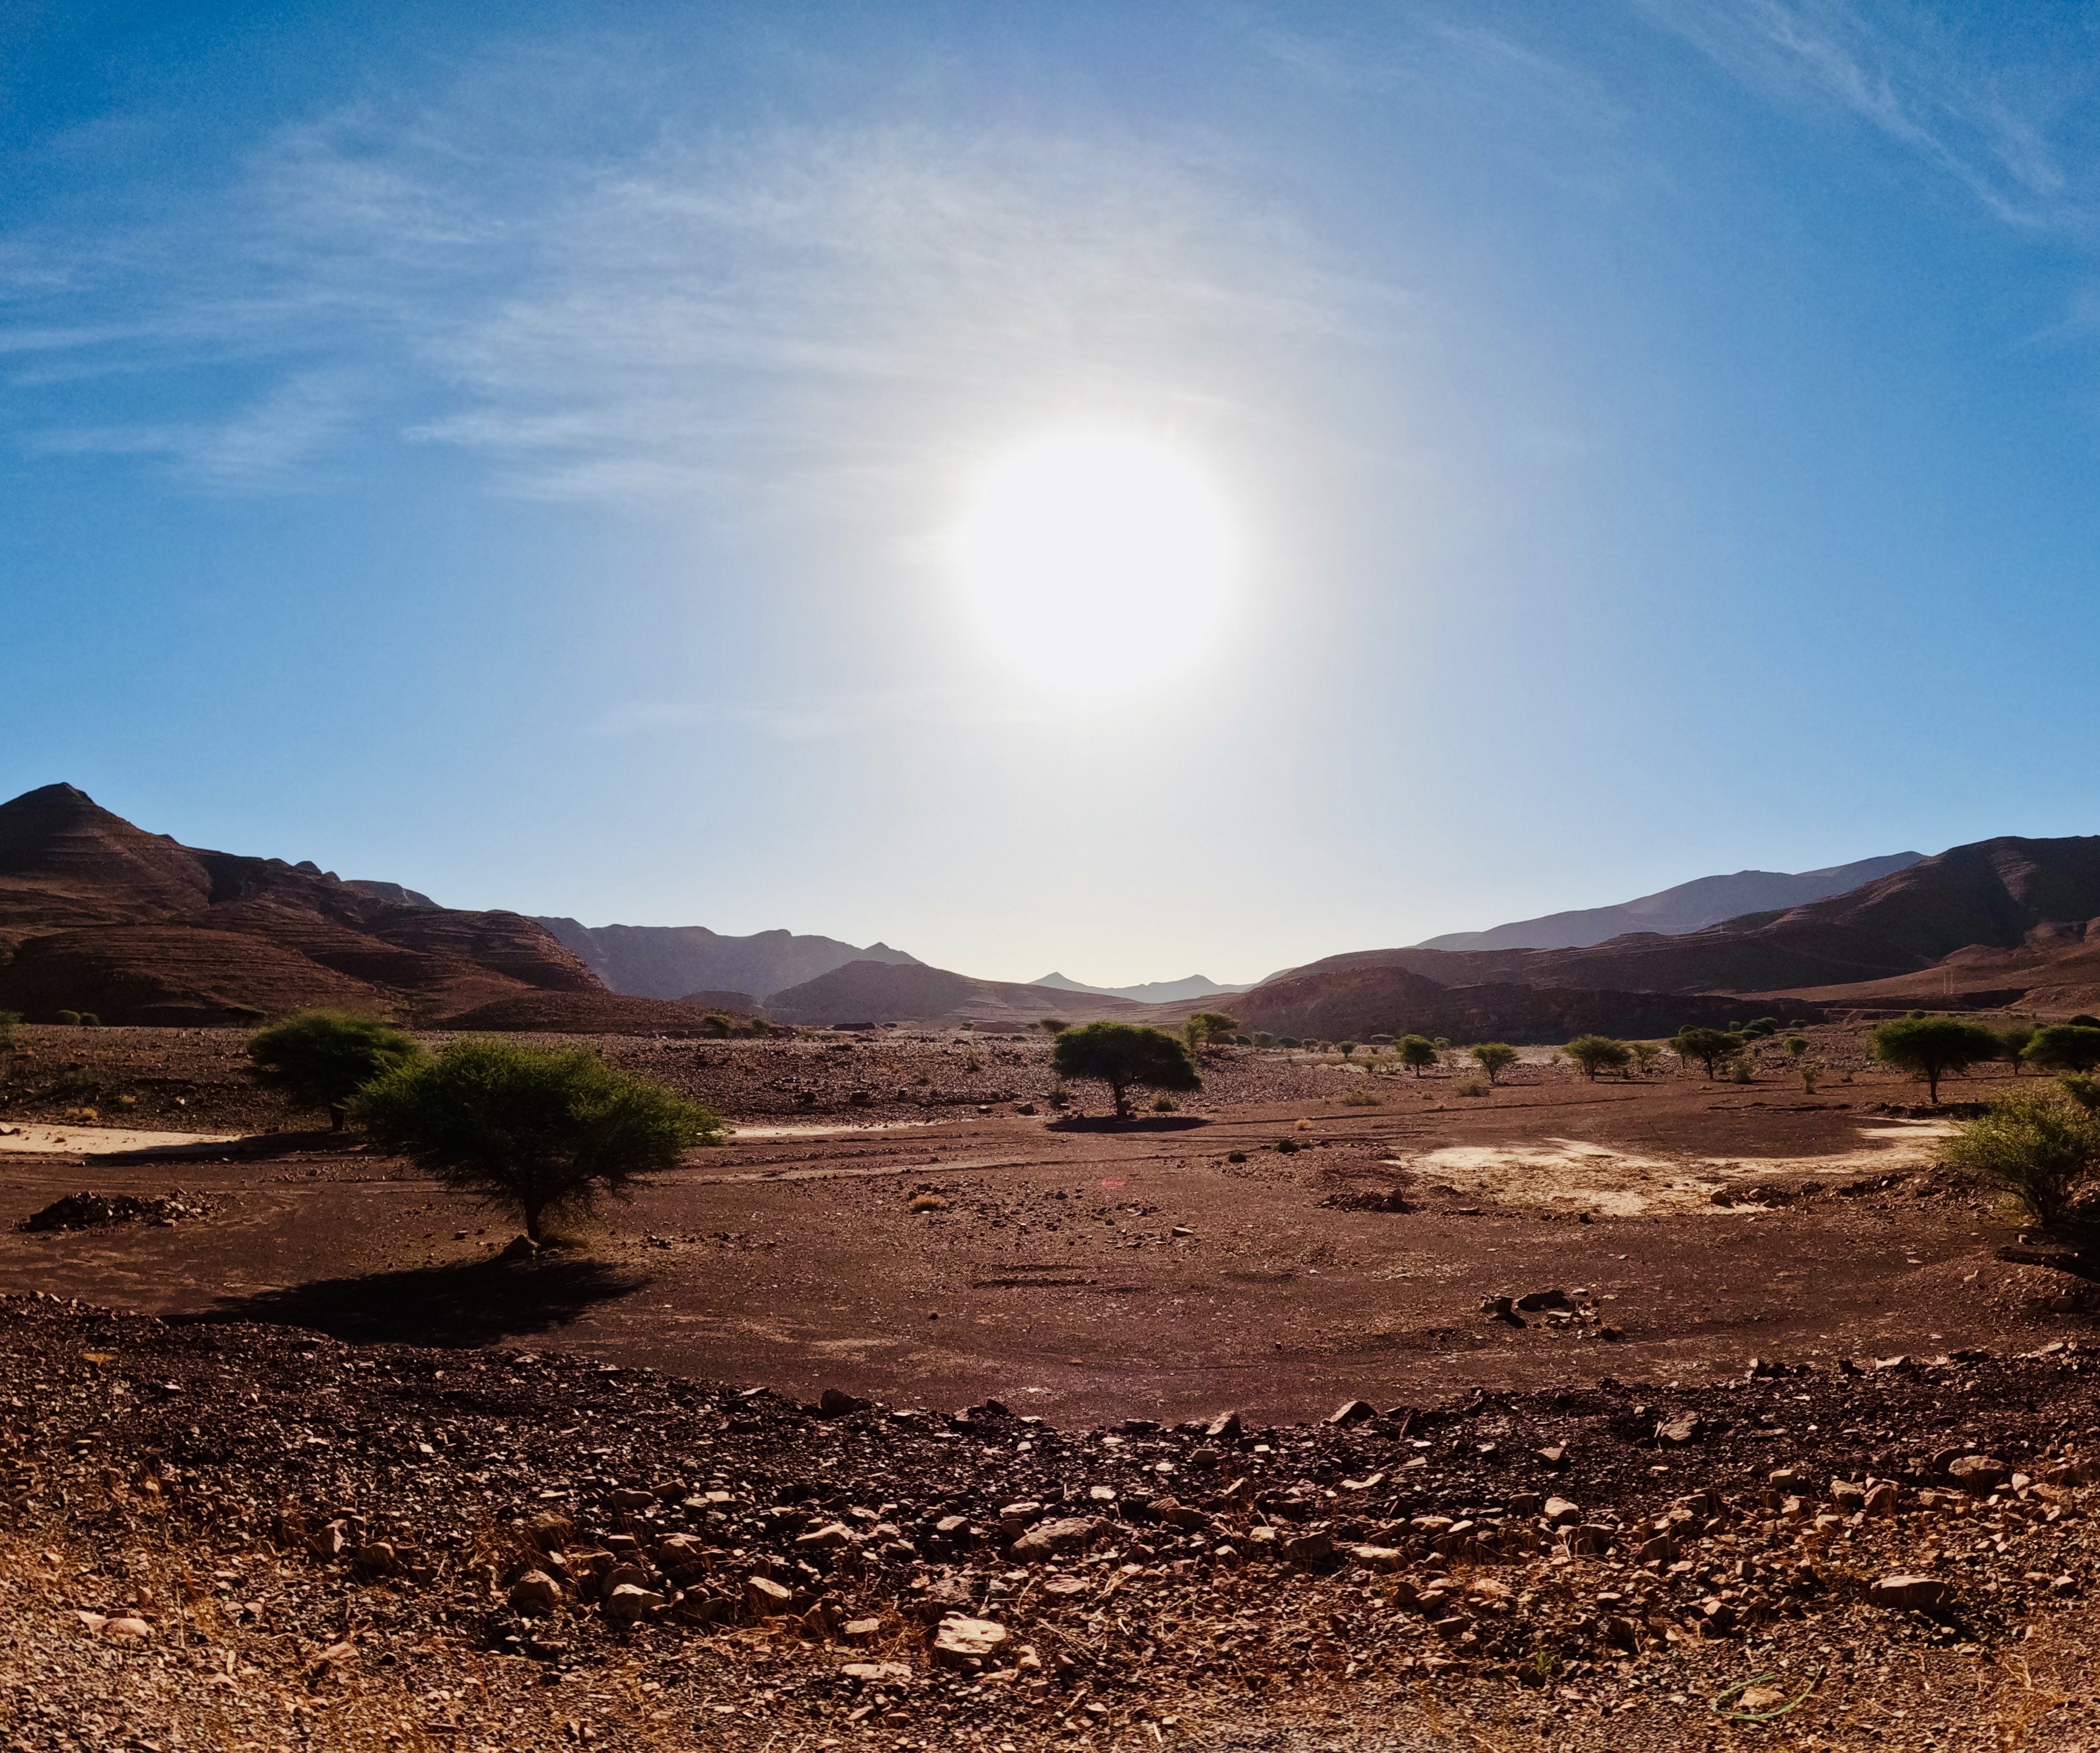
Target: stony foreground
x,y
249,1538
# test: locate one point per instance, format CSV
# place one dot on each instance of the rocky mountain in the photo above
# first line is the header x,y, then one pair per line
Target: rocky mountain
x,y
1153,992
98,915
880,992
1992,895
1358,1002
1689,907
674,961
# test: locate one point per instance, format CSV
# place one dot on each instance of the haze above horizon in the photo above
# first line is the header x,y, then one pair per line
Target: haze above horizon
x,y
1204,487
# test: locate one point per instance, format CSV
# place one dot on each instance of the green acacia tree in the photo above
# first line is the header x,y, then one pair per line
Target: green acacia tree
x,y
1596,1053
1124,1056
1709,1046
321,1058
535,1132
1206,1027
1494,1058
1417,1051
1933,1047
2064,1046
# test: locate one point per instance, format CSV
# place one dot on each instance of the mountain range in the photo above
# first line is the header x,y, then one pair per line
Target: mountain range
x,y
677,960
98,915
1153,992
1689,907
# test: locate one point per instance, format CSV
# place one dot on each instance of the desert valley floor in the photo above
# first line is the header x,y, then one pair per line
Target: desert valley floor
x,y
267,1455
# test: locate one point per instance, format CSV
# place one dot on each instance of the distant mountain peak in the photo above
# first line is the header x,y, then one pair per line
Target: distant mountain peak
x,y
1153,992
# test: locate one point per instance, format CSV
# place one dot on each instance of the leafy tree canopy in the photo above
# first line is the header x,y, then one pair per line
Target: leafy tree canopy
x,y
1596,1053
1709,1046
1933,1046
1124,1054
1494,1058
1418,1050
536,1132
321,1058
2064,1046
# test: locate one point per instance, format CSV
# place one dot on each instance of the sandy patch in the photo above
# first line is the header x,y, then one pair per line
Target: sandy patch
x,y
739,1133
44,1140
1598,1178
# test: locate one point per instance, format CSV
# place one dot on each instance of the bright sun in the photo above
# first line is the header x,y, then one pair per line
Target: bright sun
x,y
1095,560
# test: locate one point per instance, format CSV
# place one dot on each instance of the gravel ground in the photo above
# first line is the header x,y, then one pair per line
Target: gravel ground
x,y
251,1538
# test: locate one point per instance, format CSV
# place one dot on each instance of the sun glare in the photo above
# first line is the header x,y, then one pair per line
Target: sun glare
x,y
1096,561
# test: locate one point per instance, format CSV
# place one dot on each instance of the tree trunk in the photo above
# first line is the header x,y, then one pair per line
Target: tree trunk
x,y
1121,1100
532,1215
335,1116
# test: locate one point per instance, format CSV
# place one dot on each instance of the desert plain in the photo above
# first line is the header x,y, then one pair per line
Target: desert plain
x,y
1334,1407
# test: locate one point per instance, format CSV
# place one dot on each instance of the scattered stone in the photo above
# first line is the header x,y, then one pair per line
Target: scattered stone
x,y
536,1594
764,1598
96,1211
876,1673
1534,1300
1921,1592
962,1642
1980,1473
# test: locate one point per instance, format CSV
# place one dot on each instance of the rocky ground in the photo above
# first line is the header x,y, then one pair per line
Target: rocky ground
x,y
230,1536
201,1080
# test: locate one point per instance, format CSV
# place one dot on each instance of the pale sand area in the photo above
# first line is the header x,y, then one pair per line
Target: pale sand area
x,y
1574,1172
43,1141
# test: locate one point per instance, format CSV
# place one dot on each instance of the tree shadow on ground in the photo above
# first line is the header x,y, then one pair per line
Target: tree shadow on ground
x,y
475,1304
1141,1123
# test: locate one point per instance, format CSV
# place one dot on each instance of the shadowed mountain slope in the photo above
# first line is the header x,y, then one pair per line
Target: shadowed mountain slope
x,y
1358,1002
1687,907
98,915
880,992
1993,893
670,961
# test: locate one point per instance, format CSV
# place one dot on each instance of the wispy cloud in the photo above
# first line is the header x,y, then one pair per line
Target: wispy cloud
x,y
1983,118
261,446
694,310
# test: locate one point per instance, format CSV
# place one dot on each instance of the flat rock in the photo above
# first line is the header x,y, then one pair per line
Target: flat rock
x,y
764,1598
876,1673
960,1641
1908,1591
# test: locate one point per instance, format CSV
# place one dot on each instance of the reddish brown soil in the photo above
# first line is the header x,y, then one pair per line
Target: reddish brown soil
x,y
1054,1278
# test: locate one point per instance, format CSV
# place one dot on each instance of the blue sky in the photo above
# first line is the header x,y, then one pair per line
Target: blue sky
x,y
508,450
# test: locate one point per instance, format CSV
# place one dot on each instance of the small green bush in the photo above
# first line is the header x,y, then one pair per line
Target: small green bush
x,y
1164,1103
1469,1086
70,1019
2064,1046
2038,1145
